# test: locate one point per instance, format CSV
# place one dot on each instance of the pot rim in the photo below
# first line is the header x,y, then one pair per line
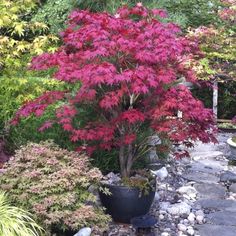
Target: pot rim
x,y
231,143
124,187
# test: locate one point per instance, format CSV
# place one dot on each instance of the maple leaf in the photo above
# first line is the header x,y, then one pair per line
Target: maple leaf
x,y
46,125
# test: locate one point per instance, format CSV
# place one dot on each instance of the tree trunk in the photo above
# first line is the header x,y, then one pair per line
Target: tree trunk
x,y
215,99
126,161
122,160
129,163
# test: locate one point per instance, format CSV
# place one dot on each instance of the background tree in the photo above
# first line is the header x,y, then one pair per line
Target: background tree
x,y
19,38
218,42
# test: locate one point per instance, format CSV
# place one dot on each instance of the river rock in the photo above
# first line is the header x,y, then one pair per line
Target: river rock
x,y
190,231
164,206
182,227
179,209
191,218
187,190
84,232
165,234
199,219
161,173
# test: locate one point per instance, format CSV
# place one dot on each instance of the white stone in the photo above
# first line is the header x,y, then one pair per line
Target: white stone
x,y
161,173
165,234
157,196
199,213
162,212
191,218
186,196
186,222
182,227
192,195
164,205
187,190
190,231
84,232
179,209
113,178
199,219
161,217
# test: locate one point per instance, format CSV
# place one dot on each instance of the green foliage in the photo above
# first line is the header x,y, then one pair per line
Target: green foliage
x,y
19,38
107,161
227,100
143,180
28,131
52,183
184,12
54,13
16,91
227,126
193,12
15,221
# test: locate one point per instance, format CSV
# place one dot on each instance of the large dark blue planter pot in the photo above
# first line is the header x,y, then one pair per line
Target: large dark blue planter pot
x,y
125,203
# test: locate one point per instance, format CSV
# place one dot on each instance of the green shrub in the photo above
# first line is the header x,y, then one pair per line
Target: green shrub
x,y
13,93
52,183
28,131
54,13
15,221
184,12
21,39
16,91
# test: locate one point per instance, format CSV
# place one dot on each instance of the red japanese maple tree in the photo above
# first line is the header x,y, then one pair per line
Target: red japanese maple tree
x,y
129,66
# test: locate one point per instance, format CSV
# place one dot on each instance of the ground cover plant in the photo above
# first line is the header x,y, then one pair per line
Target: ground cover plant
x,y
15,221
129,65
52,184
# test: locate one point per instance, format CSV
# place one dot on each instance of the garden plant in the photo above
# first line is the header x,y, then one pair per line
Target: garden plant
x,y
128,66
16,221
52,184
89,101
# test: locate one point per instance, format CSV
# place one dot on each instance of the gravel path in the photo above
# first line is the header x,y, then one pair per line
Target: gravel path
x,y
198,197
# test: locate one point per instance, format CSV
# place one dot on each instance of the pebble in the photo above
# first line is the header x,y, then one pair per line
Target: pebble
x,y
199,219
161,173
164,205
157,196
165,234
190,231
182,227
199,213
186,222
175,206
191,218
179,209
187,190
84,232
161,217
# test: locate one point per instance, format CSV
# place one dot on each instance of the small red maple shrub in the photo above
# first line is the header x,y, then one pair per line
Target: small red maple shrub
x,y
128,66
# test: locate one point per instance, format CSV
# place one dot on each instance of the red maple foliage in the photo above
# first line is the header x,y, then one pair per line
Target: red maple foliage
x,y
128,66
